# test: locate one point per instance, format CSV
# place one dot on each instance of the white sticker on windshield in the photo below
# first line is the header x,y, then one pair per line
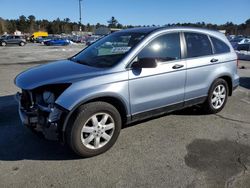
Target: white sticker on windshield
x,y
120,49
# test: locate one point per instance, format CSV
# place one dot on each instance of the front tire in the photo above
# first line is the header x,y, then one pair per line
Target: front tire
x,y
94,129
217,97
3,43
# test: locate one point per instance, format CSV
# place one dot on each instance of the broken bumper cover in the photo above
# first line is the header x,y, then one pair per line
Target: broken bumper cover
x,y
40,118
27,118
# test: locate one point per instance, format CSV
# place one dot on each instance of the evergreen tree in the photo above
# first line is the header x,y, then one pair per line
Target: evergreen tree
x,y
112,22
30,24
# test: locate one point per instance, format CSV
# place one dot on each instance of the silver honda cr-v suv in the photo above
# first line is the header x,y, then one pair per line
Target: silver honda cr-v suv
x,y
124,77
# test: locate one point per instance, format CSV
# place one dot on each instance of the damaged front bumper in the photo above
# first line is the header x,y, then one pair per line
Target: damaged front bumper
x,y
39,118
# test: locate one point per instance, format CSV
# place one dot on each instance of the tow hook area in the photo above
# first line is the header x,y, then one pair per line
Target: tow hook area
x,y
39,118
54,115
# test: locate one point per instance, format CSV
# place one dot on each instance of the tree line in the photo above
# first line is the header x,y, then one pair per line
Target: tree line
x,y
30,24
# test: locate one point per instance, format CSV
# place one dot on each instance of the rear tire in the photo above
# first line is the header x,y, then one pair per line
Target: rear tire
x,y
21,44
217,97
94,129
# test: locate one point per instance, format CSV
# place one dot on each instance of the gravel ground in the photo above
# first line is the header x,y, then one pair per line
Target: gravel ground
x,y
182,149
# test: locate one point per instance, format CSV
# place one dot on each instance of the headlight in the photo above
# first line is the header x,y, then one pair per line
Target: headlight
x,y
48,97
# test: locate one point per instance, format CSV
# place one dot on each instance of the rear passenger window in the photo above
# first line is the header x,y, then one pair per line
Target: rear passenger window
x,y
164,48
197,45
219,46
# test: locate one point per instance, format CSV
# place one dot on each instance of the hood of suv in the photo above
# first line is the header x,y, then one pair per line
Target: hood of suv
x,y
64,71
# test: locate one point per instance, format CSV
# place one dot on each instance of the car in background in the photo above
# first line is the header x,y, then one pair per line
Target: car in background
x,y
38,34
12,40
3,36
239,40
235,42
41,40
230,37
243,51
57,42
244,41
78,39
92,39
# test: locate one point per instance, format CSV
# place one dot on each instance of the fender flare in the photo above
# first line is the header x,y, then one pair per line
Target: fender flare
x,y
71,112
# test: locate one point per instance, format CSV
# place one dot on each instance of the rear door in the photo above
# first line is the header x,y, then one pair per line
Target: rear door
x,y
205,55
153,88
17,40
199,61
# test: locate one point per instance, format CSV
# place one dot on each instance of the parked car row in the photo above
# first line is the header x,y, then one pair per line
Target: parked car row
x,y
241,45
49,40
236,40
243,51
66,40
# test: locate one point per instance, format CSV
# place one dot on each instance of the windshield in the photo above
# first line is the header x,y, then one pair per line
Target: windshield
x,y
109,50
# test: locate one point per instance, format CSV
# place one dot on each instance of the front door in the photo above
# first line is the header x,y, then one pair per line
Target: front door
x,y
10,39
153,88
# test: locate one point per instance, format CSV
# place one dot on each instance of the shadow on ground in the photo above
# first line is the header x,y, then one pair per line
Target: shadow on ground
x,y
18,143
218,160
245,82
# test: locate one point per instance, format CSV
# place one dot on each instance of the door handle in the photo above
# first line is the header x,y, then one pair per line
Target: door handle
x,y
214,60
177,66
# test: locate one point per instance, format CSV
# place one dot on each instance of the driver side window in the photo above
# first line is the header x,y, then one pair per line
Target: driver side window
x,y
163,48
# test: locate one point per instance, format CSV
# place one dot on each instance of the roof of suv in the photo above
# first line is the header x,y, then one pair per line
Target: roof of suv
x,y
145,30
148,30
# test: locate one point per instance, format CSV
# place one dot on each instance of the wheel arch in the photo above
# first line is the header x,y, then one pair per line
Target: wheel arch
x,y
229,81
118,103
3,41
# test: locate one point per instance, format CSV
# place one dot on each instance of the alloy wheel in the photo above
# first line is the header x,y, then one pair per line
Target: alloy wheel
x,y
218,96
97,131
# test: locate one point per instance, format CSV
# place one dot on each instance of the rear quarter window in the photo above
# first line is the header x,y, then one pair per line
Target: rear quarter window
x,y
198,45
219,46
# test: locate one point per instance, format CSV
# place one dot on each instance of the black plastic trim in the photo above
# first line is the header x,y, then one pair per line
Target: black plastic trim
x,y
164,110
157,112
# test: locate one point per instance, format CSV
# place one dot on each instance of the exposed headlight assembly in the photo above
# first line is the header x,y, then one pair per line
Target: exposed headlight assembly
x,y
48,97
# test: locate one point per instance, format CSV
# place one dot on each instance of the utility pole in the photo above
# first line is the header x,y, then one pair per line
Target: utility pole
x,y
80,14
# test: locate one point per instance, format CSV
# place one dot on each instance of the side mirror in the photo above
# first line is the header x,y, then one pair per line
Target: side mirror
x,y
145,63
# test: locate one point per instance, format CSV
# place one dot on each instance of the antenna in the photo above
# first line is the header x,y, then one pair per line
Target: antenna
x,y
80,14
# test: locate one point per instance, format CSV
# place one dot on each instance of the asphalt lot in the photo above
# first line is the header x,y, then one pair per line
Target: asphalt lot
x,y
182,149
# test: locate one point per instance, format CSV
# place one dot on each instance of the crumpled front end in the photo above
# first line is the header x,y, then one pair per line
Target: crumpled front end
x,y
39,112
